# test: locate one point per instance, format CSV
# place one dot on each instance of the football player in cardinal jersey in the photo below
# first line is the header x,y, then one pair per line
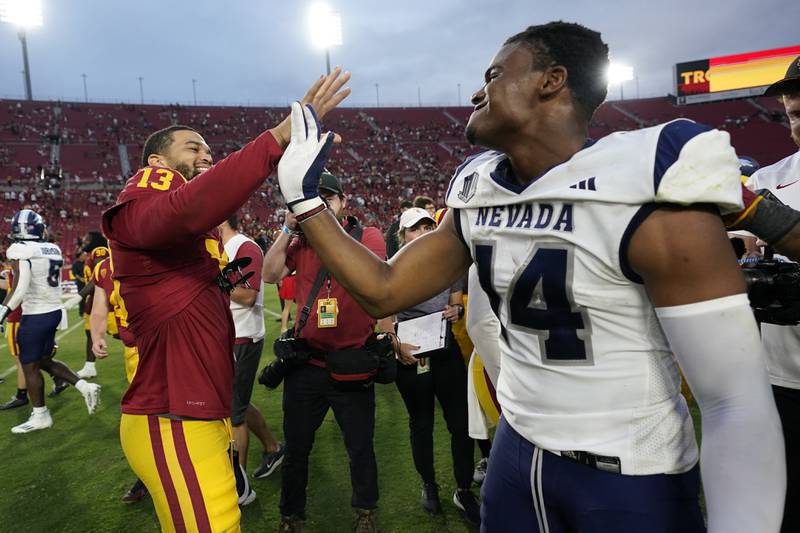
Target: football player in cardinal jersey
x,y
37,288
175,428
601,260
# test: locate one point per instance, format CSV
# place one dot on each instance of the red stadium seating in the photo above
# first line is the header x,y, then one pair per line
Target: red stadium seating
x,y
388,154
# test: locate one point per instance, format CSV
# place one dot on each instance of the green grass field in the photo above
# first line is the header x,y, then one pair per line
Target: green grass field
x,y
71,477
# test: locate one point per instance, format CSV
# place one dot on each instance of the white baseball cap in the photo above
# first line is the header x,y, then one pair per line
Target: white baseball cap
x,y
413,215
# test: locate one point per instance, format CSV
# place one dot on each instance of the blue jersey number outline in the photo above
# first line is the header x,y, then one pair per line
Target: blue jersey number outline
x,y
541,301
54,274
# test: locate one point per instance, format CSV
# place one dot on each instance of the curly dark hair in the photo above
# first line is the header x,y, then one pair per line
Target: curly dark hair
x,y
576,48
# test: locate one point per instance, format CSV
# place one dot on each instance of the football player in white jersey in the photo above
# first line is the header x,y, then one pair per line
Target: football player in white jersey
x,y
600,260
37,287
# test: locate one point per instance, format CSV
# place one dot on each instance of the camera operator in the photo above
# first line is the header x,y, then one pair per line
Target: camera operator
x,y
771,215
334,323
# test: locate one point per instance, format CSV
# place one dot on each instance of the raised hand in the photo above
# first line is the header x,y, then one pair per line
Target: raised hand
x,y
324,95
302,163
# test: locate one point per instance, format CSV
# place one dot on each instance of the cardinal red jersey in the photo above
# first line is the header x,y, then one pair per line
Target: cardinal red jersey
x,y
354,325
103,278
94,257
167,255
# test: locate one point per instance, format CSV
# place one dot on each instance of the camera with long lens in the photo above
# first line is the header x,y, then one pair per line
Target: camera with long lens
x,y
773,288
289,354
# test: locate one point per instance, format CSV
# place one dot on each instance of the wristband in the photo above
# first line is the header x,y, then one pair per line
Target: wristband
x,y
770,219
285,229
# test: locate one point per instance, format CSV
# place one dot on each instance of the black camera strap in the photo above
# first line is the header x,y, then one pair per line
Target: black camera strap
x,y
354,230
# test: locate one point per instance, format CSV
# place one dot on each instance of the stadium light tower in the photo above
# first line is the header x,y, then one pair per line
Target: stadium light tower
x,y
23,14
325,27
618,73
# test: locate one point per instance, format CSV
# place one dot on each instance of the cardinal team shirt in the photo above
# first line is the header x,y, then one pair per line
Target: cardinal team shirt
x,y
167,255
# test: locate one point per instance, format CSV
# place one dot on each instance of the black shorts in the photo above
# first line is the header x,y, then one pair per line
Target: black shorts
x,y
247,358
37,336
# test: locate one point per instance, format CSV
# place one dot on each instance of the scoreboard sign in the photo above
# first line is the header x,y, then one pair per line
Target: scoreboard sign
x,y
736,76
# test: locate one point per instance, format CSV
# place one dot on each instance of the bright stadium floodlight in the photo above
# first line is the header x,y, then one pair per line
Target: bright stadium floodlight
x,y
23,14
619,74
325,27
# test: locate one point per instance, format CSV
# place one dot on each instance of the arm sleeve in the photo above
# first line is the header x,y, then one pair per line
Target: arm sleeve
x,y
22,284
251,250
161,219
742,455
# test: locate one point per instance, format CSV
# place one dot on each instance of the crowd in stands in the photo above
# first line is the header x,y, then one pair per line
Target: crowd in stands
x,y
69,160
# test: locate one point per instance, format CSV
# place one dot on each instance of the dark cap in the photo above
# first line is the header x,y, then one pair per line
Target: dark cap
x,y
789,84
330,183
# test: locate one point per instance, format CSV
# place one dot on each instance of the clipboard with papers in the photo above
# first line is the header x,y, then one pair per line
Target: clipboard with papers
x,y
429,332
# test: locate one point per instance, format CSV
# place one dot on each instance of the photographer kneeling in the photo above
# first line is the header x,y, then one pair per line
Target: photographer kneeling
x,y
437,374
329,322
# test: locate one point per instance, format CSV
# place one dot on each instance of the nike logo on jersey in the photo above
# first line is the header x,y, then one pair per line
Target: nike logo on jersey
x,y
585,184
784,185
536,216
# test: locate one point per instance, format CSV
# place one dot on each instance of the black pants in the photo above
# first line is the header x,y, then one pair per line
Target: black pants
x,y
447,382
788,403
307,395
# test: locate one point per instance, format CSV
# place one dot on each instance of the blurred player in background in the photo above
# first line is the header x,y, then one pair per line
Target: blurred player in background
x,y
37,288
104,299
247,308
175,428
599,266
96,249
12,329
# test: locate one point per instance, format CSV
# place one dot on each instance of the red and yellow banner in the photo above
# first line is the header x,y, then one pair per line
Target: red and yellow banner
x,y
729,73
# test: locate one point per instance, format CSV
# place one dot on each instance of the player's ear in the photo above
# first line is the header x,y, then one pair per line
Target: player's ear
x,y
553,80
156,160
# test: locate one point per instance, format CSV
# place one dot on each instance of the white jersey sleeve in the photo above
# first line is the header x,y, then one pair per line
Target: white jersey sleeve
x,y
21,250
694,164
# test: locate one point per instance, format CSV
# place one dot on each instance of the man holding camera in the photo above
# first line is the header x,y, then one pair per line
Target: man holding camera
x,y
334,322
771,215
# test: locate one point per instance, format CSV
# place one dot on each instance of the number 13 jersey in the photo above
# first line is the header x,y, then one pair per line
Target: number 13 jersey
x,y
584,364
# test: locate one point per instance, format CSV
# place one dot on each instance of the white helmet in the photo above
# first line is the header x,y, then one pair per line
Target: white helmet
x,y
27,225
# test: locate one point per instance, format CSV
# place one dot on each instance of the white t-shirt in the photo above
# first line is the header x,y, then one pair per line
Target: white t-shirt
x,y
585,364
44,292
782,343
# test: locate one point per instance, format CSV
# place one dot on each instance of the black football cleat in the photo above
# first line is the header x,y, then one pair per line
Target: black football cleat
x,y
59,386
14,402
136,493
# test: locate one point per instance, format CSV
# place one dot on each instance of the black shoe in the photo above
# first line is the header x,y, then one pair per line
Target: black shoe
x,y
291,524
430,498
59,386
466,502
136,492
366,521
15,401
270,462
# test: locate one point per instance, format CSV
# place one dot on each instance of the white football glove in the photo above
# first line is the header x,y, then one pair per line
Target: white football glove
x,y
303,162
4,312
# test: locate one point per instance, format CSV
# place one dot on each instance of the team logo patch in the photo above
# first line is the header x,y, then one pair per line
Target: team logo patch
x,y
468,188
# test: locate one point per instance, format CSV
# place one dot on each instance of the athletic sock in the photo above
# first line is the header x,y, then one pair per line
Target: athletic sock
x,y
22,393
89,365
82,385
40,410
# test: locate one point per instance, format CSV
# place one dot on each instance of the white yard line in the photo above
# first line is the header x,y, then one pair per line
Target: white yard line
x,y
12,369
68,304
